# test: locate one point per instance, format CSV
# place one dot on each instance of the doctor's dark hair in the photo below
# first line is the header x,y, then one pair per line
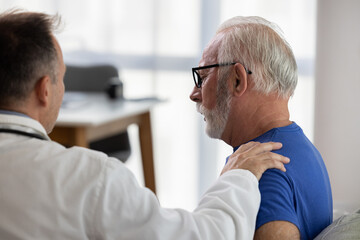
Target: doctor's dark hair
x,y
27,53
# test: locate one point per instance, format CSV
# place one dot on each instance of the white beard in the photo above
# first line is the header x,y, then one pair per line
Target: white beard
x,y
216,118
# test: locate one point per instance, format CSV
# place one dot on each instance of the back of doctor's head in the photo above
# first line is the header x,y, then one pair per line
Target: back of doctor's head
x,y
27,53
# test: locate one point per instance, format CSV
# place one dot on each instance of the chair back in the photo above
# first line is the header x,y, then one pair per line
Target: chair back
x,y
89,78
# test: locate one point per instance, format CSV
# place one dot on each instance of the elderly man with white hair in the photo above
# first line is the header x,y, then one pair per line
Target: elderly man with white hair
x,y
242,87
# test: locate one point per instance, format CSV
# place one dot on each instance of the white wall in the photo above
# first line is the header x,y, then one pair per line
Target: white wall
x,y
337,97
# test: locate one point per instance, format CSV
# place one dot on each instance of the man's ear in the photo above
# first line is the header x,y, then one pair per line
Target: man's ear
x,y
42,90
240,83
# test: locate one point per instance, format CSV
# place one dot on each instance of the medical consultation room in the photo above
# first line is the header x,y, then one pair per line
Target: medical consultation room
x,y
150,48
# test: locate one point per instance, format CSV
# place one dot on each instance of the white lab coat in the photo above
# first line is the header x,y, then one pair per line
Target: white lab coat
x,y
50,192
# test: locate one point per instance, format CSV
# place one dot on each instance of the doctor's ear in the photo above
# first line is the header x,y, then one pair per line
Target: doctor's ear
x,y
42,90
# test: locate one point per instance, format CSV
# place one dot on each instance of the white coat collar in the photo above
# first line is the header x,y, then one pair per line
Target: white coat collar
x,y
24,124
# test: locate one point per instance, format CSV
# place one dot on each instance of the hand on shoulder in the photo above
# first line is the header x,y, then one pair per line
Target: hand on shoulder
x,y
257,158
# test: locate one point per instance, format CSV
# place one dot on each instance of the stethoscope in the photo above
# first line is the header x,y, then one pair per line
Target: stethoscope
x,y
20,132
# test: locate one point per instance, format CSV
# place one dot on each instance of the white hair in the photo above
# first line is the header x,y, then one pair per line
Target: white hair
x,y
259,45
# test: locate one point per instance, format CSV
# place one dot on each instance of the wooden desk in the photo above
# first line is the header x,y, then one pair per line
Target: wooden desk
x,y
86,117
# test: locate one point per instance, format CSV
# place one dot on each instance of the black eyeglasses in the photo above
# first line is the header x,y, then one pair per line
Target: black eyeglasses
x,y
198,80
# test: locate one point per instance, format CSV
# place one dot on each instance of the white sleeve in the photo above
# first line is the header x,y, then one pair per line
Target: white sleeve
x,y
127,211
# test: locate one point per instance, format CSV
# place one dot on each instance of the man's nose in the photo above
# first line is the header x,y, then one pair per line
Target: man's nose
x,y
196,94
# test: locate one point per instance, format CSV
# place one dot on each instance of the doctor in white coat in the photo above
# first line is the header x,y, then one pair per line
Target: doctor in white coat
x,y
50,192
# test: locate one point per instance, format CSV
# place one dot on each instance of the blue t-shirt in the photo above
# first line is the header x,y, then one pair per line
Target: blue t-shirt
x,y
301,195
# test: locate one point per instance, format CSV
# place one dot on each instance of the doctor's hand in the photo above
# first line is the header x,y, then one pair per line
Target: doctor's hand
x,y
257,158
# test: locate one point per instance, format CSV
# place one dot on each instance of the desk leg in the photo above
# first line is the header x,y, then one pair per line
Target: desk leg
x,y
80,137
147,151
70,136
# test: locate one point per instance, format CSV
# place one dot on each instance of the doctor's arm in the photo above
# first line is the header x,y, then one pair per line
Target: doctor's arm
x,y
226,211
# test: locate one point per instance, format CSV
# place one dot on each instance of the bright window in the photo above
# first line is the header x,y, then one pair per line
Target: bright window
x,y
155,43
